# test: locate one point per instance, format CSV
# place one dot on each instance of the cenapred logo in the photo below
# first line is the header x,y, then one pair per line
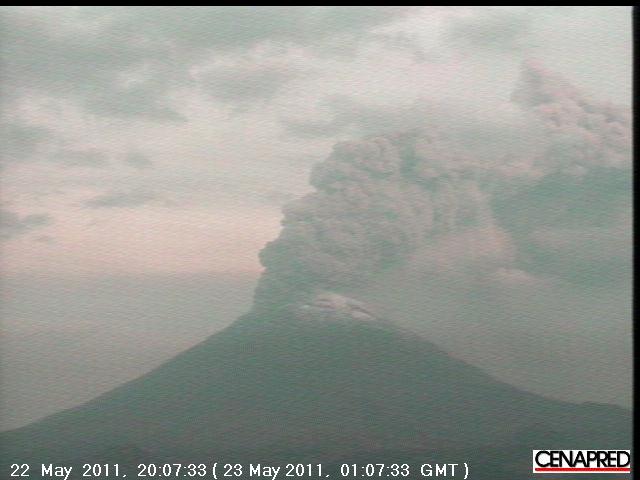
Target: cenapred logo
x,y
581,461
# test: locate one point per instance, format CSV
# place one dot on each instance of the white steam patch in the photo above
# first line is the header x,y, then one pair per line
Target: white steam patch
x,y
333,307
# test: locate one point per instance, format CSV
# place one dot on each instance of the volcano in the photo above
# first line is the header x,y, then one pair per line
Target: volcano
x,y
322,370
322,382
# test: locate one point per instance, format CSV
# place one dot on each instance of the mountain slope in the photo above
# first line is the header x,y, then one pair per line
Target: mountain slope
x,y
325,390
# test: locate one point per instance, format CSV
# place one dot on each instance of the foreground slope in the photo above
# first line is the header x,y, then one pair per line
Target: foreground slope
x,y
295,388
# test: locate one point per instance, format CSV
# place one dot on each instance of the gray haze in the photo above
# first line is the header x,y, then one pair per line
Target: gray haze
x,y
68,341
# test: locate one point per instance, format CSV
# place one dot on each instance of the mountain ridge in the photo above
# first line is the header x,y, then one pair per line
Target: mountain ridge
x,y
276,382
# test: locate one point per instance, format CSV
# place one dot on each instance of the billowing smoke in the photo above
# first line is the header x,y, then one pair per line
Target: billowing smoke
x,y
420,198
585,133
377,201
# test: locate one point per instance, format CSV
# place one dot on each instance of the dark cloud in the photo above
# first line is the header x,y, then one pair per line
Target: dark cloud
x,y
125,61
90,158
230,28
20,141
246,86
138,160
492,29
376,201
12,224
117,199
145,100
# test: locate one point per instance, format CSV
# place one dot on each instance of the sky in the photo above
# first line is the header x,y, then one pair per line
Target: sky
x,y
160,144
119,121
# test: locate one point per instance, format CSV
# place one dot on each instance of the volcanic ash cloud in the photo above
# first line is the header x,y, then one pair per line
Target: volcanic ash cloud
x,y
379,200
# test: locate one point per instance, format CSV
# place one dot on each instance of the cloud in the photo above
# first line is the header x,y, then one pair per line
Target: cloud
x,y
586,133
574,220
46,239
402,41
91,158
121,199
230,28
126,61
492,29
138,160
146,100
350,116
275,197
246,85
375,204
20,141
13,225
24,142
380,201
